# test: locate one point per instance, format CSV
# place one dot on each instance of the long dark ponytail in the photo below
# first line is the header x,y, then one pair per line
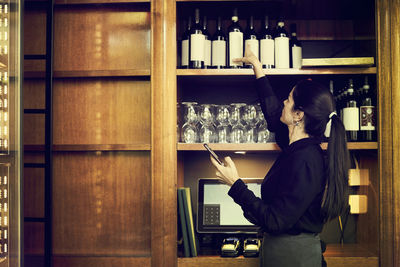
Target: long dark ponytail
x,y
335,199
318,105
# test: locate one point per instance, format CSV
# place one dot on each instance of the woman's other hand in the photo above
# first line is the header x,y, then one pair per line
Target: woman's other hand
x,y
228,174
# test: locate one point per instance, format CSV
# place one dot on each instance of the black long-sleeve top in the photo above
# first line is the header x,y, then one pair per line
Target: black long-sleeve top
x,y
292,190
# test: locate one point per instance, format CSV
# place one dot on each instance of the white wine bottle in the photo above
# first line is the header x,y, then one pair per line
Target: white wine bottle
x,y
207,44
185,45
235,41
197,41
251,40
218,49
267,46
281,46
296,56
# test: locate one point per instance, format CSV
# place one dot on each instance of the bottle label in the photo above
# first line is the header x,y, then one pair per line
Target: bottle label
x,y
267,52
297,57
351,119
367,118
282,52
185,53
219,53
207,53
235,47
253,44
197,47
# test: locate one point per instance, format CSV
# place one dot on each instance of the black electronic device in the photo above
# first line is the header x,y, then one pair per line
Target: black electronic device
x,y
213,154
216,210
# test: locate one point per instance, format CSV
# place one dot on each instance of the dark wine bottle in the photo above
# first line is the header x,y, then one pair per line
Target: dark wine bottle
x,y
267,46
251,40
207,44
281,46
197,41
351,114
295,49
235,41
219,47
185,45
367,113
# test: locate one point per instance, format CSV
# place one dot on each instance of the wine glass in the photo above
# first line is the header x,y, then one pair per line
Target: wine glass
x,y
251,134
208,133
189,133
224,133
236,115
190,114
264,134
238,133
250,114
207,114
222,116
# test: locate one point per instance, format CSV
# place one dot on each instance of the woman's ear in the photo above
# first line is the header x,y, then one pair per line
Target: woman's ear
x,y
298,115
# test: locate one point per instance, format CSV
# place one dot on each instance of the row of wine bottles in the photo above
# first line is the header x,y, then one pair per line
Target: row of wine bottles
x,y
356,107
272,47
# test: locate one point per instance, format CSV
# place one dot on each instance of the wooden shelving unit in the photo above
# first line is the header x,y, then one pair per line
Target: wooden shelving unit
x,y
304,71
265,147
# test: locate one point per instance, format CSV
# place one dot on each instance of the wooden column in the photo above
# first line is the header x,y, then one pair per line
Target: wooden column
x,y
388,48
163,134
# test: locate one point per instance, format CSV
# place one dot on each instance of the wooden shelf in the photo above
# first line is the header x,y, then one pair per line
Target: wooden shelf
x,y
92,73
77,2
101,73
304,71
92,147
335,255
265,147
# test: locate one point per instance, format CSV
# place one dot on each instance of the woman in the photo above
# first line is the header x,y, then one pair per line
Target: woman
x,y
305,187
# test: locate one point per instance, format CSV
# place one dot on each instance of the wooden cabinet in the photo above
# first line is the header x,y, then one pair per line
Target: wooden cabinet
x,y
117,157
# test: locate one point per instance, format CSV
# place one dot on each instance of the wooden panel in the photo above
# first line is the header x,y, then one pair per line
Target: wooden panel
x,y
101,73
101,203
34,31
34,93
34,238
100,261
34,192
35,66
101,38
33,157
33,129
385,134
368,224
100,111
395,47
163,142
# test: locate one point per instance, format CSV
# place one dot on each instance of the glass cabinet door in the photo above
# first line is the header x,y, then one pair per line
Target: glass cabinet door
x,y
10,133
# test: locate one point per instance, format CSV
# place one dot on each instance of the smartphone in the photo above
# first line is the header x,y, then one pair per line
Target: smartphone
x,y
213,155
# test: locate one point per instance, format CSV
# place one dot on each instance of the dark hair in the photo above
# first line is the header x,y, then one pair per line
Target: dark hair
x,y
317,103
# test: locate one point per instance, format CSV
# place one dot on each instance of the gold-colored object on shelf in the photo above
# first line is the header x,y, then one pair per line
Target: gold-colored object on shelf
x,y
345,61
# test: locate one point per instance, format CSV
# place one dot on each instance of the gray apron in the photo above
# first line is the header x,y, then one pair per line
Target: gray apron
x,y
303,250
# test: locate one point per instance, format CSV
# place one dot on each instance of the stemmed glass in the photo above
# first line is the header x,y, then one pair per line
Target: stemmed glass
x,y
250,116
264,134
207,119
236,119
189,132
223,128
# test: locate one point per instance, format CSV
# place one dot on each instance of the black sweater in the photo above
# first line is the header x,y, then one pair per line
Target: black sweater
x,y
291,192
